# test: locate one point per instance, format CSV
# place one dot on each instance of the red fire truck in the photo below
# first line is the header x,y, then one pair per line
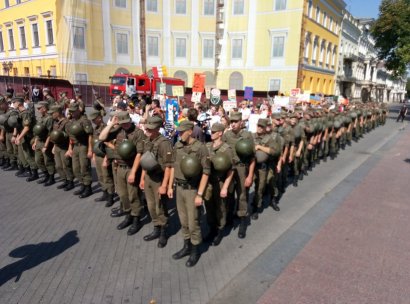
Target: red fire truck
x,y
142,84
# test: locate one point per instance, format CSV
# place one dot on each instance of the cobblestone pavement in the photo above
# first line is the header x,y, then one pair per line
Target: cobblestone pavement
x,y
56,248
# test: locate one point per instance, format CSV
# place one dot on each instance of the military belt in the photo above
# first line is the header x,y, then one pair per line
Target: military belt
x,y
185,185
124,166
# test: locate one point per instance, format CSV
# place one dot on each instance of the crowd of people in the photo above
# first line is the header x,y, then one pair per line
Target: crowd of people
x,y
207,158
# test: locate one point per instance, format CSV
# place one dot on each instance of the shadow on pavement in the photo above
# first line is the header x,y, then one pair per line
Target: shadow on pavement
x,y
33,255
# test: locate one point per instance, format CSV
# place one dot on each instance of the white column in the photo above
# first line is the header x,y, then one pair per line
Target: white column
x,y
250,50
166,50
194,33
135,16
107,31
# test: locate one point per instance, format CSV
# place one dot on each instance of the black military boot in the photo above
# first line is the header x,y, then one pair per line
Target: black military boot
x,y
13,166
163,238
274,204
110,200
27,172
218,238
20,171
126,222
63,185
51,181
2,160
87,192
70,186
135,226
242,228
154,234
186,250
81,190
44,179
6,164
34,175
193,257
103,197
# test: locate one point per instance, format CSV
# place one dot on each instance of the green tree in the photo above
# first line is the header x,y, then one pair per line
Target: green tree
x,y
391,32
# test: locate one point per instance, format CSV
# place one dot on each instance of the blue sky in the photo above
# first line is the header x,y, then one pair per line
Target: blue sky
x,y
363,8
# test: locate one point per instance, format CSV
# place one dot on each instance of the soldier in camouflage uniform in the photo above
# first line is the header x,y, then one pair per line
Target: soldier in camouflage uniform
x,y
104,173
157,162
189,191
23,138
3,117
48,97
62,160
81,149
42,148
121,129
219,185
243,170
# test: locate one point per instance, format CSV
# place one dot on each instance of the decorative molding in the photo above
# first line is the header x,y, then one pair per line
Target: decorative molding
x,y
20,21
32,18
47,15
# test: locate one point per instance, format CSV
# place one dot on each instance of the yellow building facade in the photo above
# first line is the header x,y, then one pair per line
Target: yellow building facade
x,y
258,42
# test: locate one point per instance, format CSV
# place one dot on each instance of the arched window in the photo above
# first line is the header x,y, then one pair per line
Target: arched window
x,y
315,46
181,75
236,81
329,50
122,71
210,78
334,56
317,14
322,51
310,8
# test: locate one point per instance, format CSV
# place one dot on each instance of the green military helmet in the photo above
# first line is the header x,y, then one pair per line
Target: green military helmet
x,y
369,114
3,119
337,124
353,115
76,129
127,150
261,157
191,166
39,130
13,121
297,131
148,161
221,162
57,136
99,148
317,125
348,120
244,148
329,123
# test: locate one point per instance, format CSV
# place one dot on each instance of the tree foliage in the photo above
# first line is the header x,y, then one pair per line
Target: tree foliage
x,y
391,32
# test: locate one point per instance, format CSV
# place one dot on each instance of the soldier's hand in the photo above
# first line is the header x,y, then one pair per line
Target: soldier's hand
x,y
198,200
131,178
278,169
17,141
224,193
162,190
69,153
44,150
170,193
248,182
297,154
33,147
142,184
90,154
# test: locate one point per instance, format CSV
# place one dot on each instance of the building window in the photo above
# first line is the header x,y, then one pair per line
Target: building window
x,y
208,51
315,46
18,1
274,85
322,52
180,7
209,7
50,35
26,71
307,47
324,19
238,7
6,3
1,42
331,24
278,46
122,43
236,81
36,40
121,3
236,48
23,44
153,46
310,8
11,40
317,14
180,47
334,57
152,6
39,71
79,37
53,71
15,72
181,75
280,5
81,78
329,49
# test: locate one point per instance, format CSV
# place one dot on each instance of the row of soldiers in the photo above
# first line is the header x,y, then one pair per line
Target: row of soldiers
x,y
218,175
